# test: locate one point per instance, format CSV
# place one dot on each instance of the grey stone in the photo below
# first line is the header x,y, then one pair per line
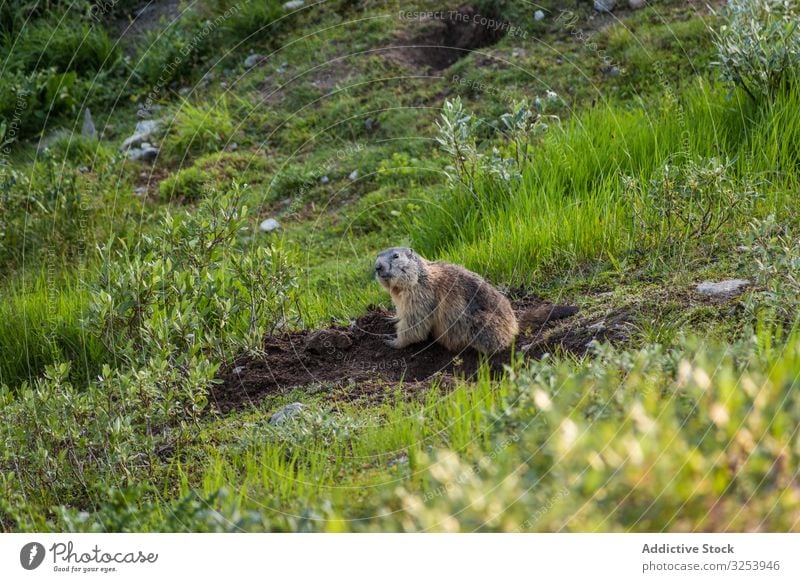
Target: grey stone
x,y
88,129
369,123
293,4
253,60
636,4
147,154
140,190
269,225
353,175
142,132
238,370
324,180
727,288
538,15
604,5
285,413
613,71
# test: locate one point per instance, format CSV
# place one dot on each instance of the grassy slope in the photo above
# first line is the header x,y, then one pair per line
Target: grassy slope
x,y
356,467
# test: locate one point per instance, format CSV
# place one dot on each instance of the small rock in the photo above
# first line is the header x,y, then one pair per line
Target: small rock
x,y
140,190
184,91
401,460
144,129
353,175
727,288
253,60
269,225
223,85
328,341
293,4
147,111
232,147
145,145
538,15
238,370
285,413
604,5
369,123
88,129
324,180
147,154
636,4
599,326
282,68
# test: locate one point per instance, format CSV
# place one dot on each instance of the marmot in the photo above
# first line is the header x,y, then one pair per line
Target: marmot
x,y
458,306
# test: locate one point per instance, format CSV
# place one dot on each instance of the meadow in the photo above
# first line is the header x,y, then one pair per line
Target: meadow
x,y
155,304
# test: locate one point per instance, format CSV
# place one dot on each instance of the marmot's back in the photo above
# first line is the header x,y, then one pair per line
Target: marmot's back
x,y
469,311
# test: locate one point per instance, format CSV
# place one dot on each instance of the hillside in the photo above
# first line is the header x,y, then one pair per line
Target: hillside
x,y
192,196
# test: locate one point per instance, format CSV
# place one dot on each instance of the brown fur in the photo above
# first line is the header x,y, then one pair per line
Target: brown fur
x,y
457,306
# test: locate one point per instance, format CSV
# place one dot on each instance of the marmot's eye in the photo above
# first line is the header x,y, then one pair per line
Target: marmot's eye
x,y
395,256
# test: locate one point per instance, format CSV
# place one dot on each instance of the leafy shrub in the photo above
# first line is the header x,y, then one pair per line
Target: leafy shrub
x,y
689,200
775,249
682,431
192,288
199,129
758,46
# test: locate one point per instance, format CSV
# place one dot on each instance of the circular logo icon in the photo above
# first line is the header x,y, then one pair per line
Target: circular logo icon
x,y
31,555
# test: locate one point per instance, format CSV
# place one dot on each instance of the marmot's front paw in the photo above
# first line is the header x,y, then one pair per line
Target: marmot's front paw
x,y
393,342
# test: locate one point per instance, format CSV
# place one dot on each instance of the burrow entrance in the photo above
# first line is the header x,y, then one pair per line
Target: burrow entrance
x,y
439,38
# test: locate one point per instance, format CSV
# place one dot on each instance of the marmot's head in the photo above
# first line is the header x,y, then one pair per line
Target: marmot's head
x,y
398,268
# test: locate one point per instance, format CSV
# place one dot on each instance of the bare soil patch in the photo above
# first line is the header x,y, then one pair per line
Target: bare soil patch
x,y
357,362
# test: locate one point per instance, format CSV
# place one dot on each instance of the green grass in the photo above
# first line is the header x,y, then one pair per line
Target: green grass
x,y
687,427
570,209
41,324
199,129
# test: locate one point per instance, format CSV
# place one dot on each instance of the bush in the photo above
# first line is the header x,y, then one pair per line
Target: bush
x,y
688,200
758,46
194,287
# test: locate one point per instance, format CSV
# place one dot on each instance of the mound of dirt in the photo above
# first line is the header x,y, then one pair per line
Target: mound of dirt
x,y
358,360
440,38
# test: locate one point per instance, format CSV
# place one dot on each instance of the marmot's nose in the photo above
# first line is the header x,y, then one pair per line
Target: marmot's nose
x,y
378,267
